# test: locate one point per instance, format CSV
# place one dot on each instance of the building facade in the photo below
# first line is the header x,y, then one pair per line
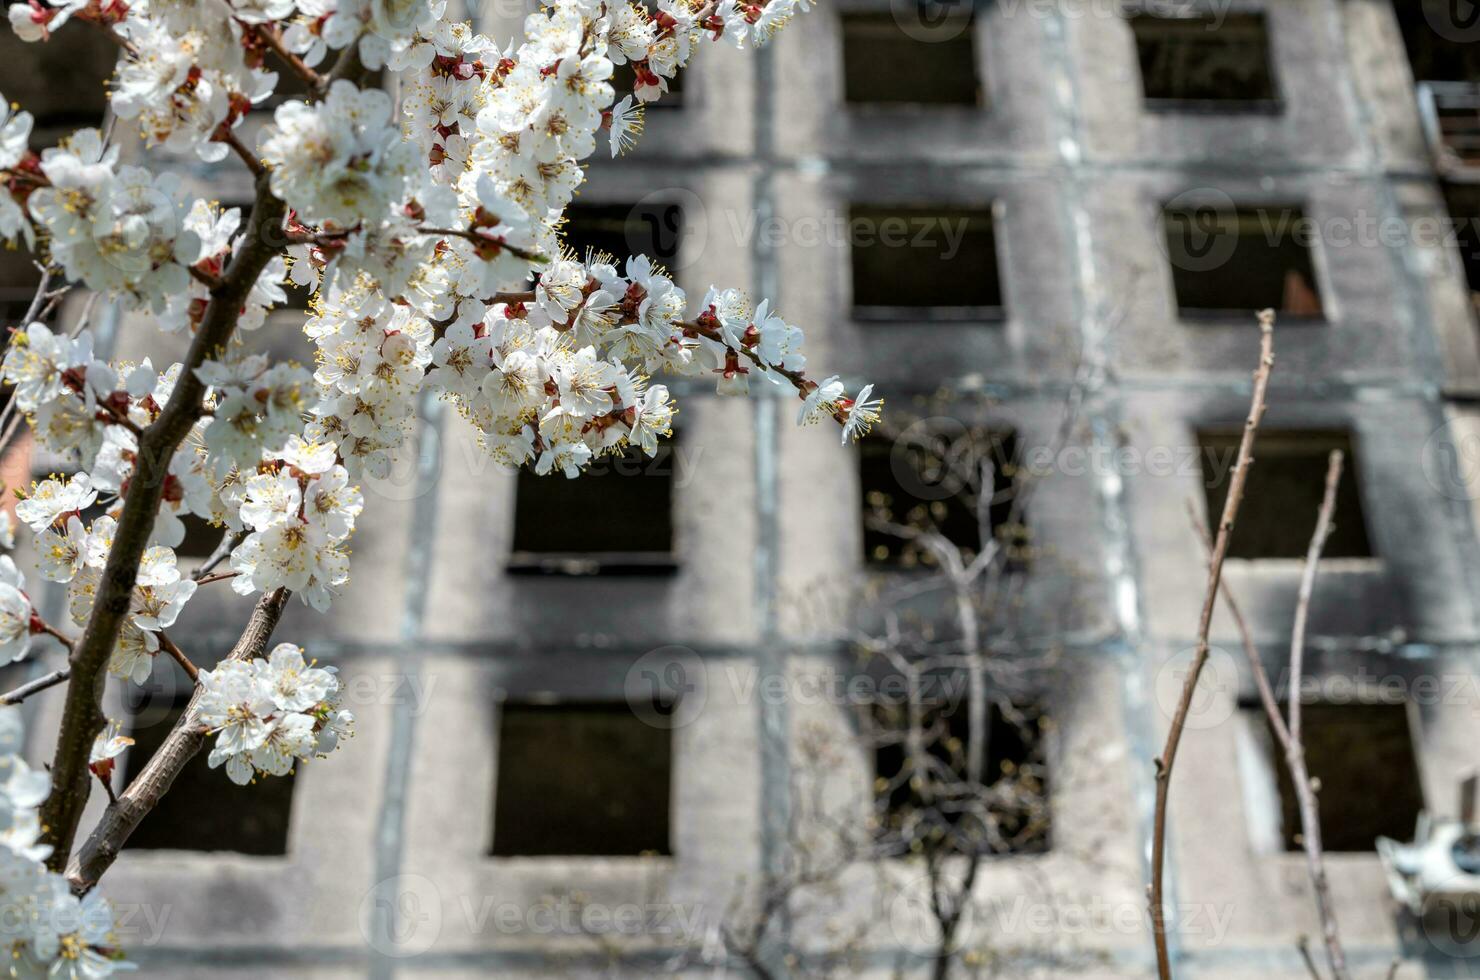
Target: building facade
x,y
998,216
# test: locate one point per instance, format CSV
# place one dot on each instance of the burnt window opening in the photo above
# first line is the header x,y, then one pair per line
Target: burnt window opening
x,y
19,279
201,537
204,810
934,480
1363,755
61,83
1228,262
616,518
1463,203
581,779
885,64
1011,818
912,263
1440,47
1205,63
1283,493
624,230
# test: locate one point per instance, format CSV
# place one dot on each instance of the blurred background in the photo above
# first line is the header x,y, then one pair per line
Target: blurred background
x,y
770,706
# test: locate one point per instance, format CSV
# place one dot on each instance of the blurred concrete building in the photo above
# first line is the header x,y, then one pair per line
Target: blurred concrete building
x,y
1025,205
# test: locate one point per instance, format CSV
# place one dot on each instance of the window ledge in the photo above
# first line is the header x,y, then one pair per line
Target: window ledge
x,y
1215,107
930,314
587,564
1225,318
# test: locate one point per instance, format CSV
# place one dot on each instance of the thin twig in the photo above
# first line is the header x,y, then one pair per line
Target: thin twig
x,y
246,156
1303,945
223,551
274,40
39,684
1310,814
1168,756
169,646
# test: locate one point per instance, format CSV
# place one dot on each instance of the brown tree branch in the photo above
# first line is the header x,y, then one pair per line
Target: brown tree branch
x,y
39,684
171,648
1168,756
82,716
1310,812
105,842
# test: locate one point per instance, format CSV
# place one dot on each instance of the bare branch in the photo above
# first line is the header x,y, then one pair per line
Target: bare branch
x,y
1310,815
39,684
1205,621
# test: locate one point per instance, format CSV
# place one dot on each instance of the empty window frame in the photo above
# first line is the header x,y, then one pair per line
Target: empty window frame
x,y
1205,63
1440,39
1228,262
204,810
61,82
1363,755
581,779
1283,493
1016,822
624,230
933,480
913,263
927,58
614,519
1463,203
19,279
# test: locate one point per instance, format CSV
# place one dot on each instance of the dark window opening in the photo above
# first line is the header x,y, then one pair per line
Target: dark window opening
x,y
568,527
1205,63
1463,202
1283,494
1013,818
581,779
19,278
59,82
1364,758
883,63
924,263
624,230
934,481
204,810
1231,262
1440,40
201,537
